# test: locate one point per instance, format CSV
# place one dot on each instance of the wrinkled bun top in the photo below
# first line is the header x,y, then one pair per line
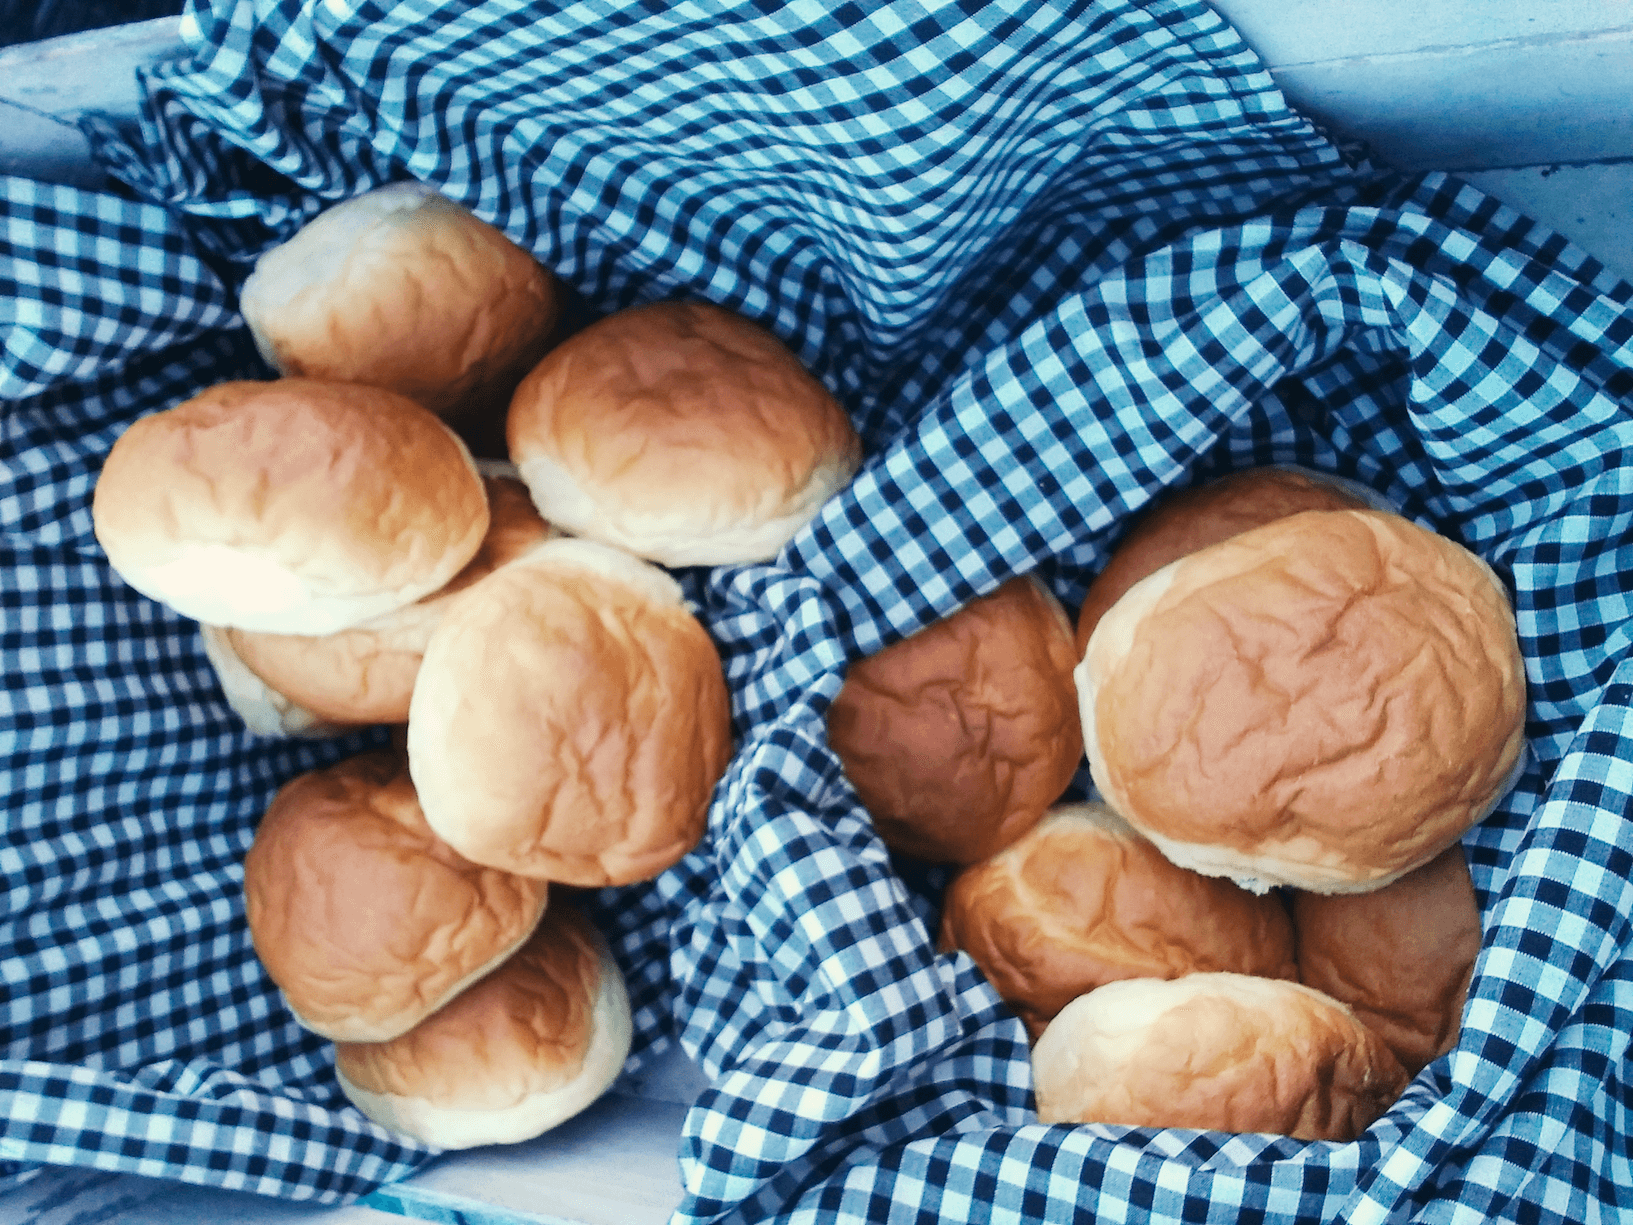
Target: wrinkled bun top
x,y
959,737
523,1050
364,918
1192,519
570,719
1401,957
682,433
1082,900
1220,1052
1327,701
366,674
404,289
291,506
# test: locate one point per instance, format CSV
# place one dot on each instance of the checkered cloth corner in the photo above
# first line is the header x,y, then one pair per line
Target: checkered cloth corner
x,y
1054,258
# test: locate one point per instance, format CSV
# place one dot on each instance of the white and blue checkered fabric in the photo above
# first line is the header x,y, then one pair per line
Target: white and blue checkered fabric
x,y
1054,258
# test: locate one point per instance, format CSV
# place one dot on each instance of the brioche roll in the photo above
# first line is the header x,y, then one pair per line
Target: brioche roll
x,y
362,916
570,719
1195,518
1082,900
522,1051
1219,1052
1327,702
404,289
1400,957
680,432
292,506
959,737
366,674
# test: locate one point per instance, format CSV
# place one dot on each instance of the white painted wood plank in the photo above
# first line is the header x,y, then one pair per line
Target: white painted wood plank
x,y
1478,108
92,1197
1590,205
1291,32
615,1164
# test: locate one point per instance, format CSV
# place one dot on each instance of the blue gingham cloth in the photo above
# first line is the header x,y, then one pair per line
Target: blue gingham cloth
x,y
1054,258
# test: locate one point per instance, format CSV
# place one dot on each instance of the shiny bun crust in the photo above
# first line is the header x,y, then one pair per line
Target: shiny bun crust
x,y
402,288
1327,702
570,719
680,432
959,737
366,921
366,674
290,507
523,1050
1193,519
1400,957
1219,1052
1082,900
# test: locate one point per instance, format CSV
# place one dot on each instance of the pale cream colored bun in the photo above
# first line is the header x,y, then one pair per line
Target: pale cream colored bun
x,y
366,674
1192,519
290,506
959,737
264,710
1219,1052
520,1052
1326,701
1401,957
1082,900
404,289
681,432
362,916
570,719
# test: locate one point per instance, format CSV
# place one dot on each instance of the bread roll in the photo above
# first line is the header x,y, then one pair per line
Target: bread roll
x,y
364,674
1327,702
1192,519
1400,957
1219,1052
264,710
523,1050
1081,900
570,719
365,919
291,507
402,288
959,737
680,432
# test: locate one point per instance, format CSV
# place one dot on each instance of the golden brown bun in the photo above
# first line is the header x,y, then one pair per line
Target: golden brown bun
x,y
363,917
681,432
264,710
366,674
570,719
1082,900
960,736
528,1047
402,288
1220,1052
290,507
1327,702
1193,519
1401,957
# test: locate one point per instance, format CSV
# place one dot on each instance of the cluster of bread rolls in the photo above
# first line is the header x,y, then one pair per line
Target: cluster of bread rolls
x,y
1293,703
563,715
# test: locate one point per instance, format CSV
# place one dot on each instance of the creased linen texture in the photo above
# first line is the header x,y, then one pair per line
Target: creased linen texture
x,y
1054,259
